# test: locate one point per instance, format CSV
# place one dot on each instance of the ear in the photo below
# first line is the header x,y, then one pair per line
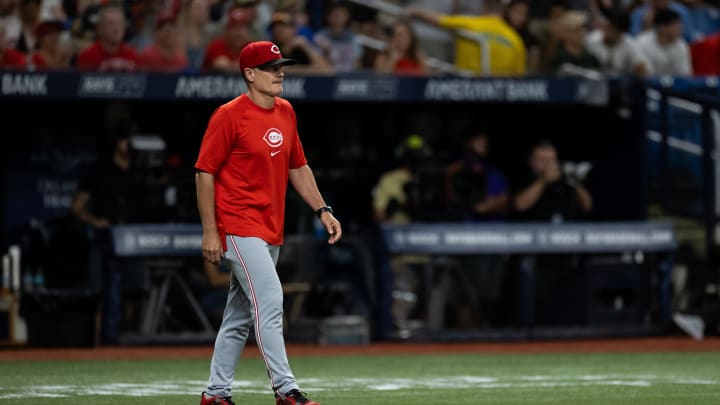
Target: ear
x,y
249,74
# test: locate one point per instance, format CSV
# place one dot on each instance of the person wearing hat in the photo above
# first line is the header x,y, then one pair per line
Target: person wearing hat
x,y
250,151
222,54
165,53
283,32
49,54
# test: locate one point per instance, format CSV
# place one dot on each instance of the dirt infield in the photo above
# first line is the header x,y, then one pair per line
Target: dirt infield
x,y
661,344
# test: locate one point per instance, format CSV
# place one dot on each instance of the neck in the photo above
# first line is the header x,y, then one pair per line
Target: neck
x,y
663,40
260,99
110,47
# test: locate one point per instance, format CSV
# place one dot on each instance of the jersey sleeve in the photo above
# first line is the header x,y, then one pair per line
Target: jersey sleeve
x,y
459,22
217,143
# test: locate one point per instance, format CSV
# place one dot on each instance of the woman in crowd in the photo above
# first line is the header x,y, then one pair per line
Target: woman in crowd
x,y
403,55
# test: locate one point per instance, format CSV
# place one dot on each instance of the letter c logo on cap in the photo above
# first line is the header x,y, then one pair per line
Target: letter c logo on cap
x,y
275,49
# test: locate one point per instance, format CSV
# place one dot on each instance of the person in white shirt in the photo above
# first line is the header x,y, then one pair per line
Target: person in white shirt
x,y
615,49
664,46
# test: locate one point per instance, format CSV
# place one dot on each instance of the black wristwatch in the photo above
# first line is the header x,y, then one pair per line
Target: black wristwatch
x,y
320,210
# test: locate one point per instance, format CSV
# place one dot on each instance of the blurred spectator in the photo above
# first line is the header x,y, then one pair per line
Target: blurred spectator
x,y
49,53
615,49
294,46
104,197
109,52
476,191
30,18
403,55
257,20
337,42
435,41
507,52
705,56
144,16
664,47
642,18
9,58
165,54
9,18
53,10
367,25
197,30
394,201
549,31
222,54
84,27
572,49
299,17
516,14
549,194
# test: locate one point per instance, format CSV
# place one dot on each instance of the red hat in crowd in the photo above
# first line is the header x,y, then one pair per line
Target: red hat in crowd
x,y
163,20
262,53
238,16
48,27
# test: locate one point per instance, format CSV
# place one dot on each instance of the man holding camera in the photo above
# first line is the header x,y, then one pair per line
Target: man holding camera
x,y
551,195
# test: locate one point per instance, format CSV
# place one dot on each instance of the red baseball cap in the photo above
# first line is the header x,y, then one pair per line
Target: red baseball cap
x,y
262,53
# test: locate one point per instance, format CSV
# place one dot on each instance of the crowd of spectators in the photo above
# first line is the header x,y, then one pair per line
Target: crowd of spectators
x,y
518,37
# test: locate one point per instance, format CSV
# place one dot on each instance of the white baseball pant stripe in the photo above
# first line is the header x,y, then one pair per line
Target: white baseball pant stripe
x,y
255,298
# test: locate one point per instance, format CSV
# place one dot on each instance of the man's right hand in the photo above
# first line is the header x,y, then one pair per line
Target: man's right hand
x,y
212,248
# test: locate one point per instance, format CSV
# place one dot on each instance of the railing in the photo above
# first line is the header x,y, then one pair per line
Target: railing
x,y
479,38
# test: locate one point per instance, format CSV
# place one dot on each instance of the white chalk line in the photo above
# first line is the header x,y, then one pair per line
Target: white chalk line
x,y
193,388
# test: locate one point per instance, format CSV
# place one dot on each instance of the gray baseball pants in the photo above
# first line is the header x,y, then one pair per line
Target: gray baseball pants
x,y
255,298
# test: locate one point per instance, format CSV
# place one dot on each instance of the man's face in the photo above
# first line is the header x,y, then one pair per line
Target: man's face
x,y
167,35
237,36
479,145
543,159
111,27
267,80
672,31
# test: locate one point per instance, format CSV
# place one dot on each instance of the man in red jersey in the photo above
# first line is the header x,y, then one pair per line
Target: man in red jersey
x,y
109,52
250,150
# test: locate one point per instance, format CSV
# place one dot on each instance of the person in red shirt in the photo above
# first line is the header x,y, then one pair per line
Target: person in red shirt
x,y
165,54
10,58
403,55
222,54
48,53
109,52
250,150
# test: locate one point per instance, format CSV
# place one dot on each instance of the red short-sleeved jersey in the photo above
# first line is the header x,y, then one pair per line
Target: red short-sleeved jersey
x,y
249,150
12,58
216,49
96,58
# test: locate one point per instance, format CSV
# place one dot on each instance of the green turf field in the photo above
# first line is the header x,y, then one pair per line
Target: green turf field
x,y
668,378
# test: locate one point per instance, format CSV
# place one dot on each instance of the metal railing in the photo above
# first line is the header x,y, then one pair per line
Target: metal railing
x,y
438,64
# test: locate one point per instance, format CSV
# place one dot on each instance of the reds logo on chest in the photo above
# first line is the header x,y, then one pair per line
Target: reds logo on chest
x,y
273,137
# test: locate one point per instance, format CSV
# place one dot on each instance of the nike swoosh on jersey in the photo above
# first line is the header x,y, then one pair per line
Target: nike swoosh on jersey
x,y
273,153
